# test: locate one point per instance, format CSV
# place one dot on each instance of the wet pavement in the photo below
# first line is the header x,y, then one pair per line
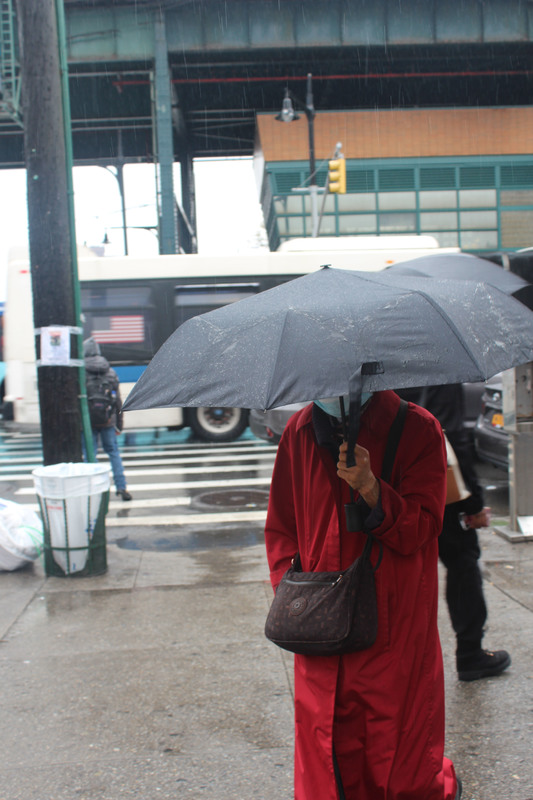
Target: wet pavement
x,y
155,680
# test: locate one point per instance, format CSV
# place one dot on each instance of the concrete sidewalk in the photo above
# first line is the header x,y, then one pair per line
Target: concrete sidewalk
x,y
155,681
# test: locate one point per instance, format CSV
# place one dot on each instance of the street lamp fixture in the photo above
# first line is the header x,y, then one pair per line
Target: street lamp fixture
x,y
288,114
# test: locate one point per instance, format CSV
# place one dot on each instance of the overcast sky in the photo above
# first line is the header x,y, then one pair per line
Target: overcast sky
x,y
229,214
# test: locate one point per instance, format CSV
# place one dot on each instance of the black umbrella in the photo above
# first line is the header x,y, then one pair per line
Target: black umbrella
x,y
336,332
462,266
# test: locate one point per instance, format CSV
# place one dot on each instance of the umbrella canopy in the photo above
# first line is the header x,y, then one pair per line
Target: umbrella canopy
x,y
462,266
335,332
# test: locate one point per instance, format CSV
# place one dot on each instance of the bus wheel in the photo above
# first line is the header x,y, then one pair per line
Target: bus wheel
x,y
218,424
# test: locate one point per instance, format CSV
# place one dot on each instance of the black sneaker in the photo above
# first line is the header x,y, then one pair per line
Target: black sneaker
x,y
124,494
459,790
483,664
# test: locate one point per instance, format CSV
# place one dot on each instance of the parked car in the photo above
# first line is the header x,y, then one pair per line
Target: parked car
x,y
473,394
269,425
490,439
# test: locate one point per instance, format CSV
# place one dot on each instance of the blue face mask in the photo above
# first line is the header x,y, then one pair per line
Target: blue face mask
x,y
365,397
332,406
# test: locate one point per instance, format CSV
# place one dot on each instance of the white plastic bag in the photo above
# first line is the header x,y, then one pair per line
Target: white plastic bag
x,y
21,535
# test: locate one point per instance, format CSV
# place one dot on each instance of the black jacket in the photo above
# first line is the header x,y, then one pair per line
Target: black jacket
x,y
96,364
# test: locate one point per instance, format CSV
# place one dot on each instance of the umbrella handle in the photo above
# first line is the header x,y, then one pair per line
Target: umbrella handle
x,y
350,427
352,511
343,419
354,417
354,413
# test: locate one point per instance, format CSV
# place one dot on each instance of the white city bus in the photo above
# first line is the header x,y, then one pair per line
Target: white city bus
x,y
131,306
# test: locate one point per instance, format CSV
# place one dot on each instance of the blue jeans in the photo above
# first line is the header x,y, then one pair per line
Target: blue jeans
x,y
108,437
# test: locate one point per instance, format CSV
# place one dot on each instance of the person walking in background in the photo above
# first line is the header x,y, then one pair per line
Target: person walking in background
x,y
105,410
459,548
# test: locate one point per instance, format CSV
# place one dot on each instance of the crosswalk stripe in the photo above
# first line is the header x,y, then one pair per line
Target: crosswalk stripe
x,y
187,519
127,452
205,462
153,487
20,468
20,447
131,474
24,464
28,459
162,472
246,441
34,458
148,502
22,438
173,469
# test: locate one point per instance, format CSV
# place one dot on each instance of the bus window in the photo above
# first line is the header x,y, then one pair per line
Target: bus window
x,y
193,299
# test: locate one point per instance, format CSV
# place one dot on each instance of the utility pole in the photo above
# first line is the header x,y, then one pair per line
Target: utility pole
x,y
313,188
50,234
288,114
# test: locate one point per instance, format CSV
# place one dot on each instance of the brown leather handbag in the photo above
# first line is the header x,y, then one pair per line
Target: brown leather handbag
x,y
331,613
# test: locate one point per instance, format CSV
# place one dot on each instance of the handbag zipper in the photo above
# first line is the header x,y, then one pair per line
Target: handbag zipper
x,y
314,583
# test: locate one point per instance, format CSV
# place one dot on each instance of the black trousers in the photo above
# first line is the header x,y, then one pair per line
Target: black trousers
x,y
459,551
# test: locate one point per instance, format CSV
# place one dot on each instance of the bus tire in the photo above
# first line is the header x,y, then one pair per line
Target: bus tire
x,y
218,424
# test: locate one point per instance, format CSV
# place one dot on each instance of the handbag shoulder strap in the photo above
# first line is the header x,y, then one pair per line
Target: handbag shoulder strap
x,y
395,434
393,440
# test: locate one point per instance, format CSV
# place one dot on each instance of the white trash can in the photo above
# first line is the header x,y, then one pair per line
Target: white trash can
x,y
73,499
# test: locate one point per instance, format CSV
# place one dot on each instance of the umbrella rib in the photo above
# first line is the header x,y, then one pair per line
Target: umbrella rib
x,y
275,361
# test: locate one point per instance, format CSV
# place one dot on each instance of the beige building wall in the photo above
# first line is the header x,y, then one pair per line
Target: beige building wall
x,y
414,133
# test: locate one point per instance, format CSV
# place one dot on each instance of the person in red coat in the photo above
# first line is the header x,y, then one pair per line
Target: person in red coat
x,y
368,725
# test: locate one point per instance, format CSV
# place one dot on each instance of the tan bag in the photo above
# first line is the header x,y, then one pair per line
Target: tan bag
x,y
455,486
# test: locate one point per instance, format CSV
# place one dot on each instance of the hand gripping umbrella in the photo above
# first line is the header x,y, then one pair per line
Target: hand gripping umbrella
x,y
336,332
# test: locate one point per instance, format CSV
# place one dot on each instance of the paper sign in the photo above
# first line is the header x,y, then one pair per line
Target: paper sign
x,y
55,346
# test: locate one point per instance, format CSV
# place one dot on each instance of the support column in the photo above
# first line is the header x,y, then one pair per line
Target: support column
x,y
520,471
51,236
517,387
188,199
168,237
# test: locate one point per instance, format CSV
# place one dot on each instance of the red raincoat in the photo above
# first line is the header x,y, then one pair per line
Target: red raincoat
x,y
382,708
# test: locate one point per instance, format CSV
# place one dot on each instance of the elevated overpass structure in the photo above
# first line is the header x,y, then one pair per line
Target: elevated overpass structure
x,y
173,80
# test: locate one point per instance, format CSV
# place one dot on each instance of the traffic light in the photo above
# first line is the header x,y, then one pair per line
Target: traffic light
x,y
337,175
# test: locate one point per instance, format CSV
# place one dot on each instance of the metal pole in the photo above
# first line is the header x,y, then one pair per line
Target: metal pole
x,y
313,189
120,179
119,175
168,236
49,229
69,161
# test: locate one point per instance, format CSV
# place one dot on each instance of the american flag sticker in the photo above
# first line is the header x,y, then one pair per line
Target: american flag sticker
x,y
121,330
